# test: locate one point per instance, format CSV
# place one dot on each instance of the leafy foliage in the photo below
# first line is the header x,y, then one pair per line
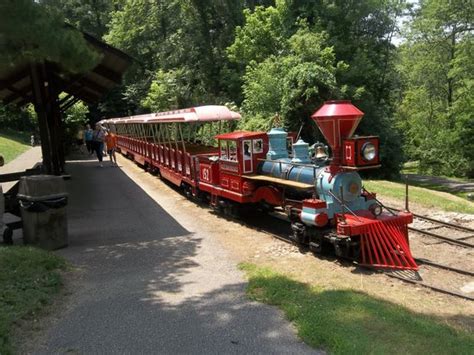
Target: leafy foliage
x,y
17,119
291,85
184,40
31,31
436,109
90,16
278,58
298,54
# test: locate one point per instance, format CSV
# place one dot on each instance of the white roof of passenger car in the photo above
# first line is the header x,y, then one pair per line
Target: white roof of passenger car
x,y
207,113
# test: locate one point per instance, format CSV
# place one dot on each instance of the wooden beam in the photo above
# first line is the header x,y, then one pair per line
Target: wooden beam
x,y
64,99
16,176
89,84
77,88
84,95
54,120
23,92
107,73
5,83
69,104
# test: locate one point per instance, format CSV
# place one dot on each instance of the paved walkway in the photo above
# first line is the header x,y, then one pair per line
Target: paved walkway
x,y
450,184
24,161
151,282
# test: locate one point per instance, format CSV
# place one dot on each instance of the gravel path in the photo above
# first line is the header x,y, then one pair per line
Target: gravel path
x,y
151,282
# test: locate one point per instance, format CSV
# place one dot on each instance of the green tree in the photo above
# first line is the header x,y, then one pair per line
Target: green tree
x,y
167,92
33,31
302,53
90,16
18,119
437,105
292,84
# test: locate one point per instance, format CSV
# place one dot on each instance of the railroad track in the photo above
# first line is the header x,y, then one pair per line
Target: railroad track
x,y
413,277
442,224
281,232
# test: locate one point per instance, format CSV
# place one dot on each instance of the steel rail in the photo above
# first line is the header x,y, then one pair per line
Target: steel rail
x,y
447,239
427,262
455,226
420,260
432,287
442,266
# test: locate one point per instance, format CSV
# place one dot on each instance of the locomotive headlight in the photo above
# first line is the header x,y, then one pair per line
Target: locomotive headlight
x,y
369,151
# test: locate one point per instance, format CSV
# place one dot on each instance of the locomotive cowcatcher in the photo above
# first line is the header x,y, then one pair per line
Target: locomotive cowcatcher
x,y
323,198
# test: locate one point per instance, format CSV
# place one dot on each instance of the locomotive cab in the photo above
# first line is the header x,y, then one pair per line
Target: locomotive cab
x,y
240,152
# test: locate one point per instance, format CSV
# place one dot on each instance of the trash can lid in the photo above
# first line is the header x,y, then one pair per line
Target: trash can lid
x,y
41,187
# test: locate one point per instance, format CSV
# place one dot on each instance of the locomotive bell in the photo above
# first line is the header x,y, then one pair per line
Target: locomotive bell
x,y
320,153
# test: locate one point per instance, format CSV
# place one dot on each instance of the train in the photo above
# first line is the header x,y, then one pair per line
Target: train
x,y
321,194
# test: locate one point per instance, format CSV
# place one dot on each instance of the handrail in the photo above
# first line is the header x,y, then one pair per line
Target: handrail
x,y
344,205
312,166
284,162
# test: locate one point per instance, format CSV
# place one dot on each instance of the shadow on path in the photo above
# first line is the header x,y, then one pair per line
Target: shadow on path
x,y
142,277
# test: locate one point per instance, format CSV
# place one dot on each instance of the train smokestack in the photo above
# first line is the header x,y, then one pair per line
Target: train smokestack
x,y
337,120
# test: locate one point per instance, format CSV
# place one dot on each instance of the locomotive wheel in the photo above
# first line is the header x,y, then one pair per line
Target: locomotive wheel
x,y
234,210
299,232
266,208
201,197
315,247
188,191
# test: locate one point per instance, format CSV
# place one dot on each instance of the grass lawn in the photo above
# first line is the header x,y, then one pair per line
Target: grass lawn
x,y
422,196
13,144
29,278
350,322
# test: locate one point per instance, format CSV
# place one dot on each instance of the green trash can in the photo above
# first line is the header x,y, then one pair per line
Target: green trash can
x,y
43,201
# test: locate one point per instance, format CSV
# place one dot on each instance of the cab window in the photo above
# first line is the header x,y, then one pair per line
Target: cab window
x,y
223,150
228,150
258,146
232,150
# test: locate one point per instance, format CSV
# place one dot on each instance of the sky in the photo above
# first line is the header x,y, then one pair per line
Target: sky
x,y
397,39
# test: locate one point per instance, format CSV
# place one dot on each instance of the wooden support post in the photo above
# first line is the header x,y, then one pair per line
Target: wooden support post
x,y
39,100
49,118
56,122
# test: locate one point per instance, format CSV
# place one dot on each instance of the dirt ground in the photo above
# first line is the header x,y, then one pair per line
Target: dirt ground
x,y
248,245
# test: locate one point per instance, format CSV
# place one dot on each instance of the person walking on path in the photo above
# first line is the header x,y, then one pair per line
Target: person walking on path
x,y
111,142
98,138
88,138
80,139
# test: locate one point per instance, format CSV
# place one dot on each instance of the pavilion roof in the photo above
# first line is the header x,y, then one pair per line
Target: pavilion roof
x,y
16,87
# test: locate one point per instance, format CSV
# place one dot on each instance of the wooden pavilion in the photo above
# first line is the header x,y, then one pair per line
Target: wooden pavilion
x,y
41,83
